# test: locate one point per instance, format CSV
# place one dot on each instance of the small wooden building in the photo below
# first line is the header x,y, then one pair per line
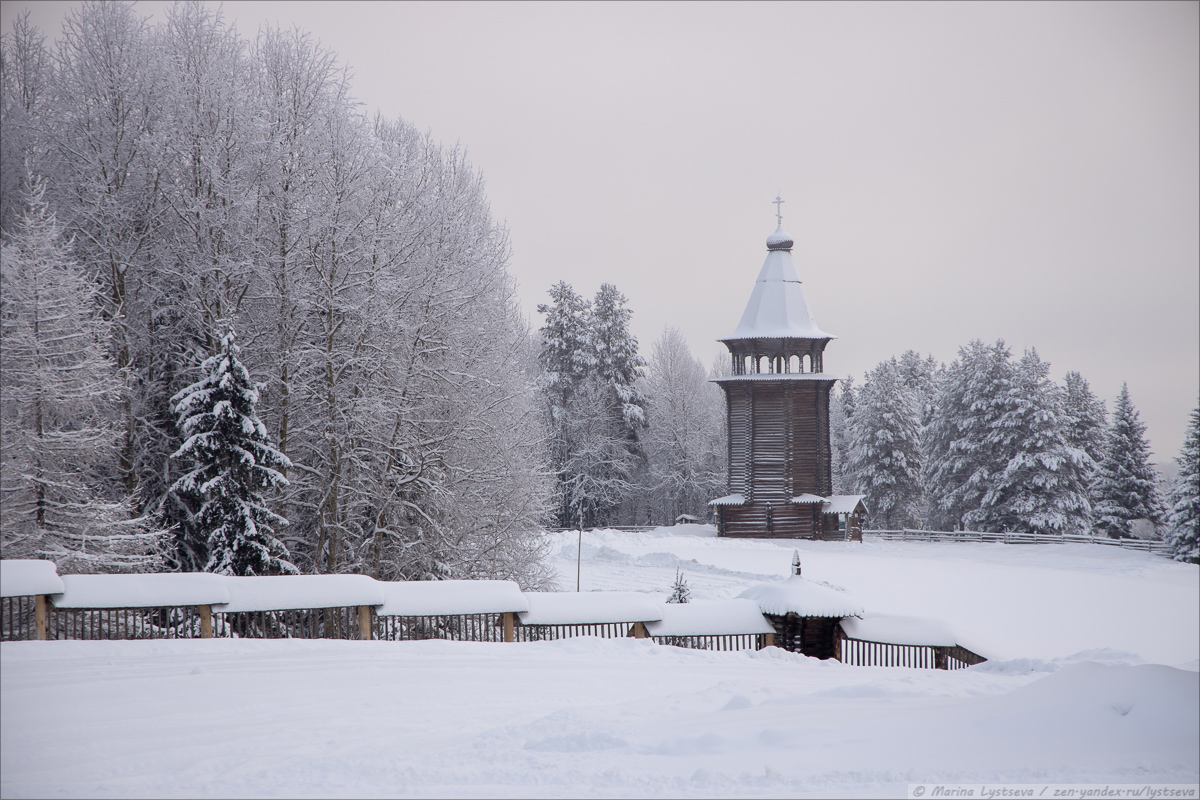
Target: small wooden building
x,y
777,411
804,613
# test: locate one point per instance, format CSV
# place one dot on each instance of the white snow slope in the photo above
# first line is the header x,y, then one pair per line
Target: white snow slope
x,y
591,717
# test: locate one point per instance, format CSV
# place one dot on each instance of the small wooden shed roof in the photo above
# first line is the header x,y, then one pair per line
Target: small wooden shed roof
x,y
805,598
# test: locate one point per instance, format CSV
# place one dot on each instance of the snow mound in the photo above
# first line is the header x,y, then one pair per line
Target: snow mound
x,y
157,590
589,608
284,592
432,598
710,618
896,629
1102,703
798,595
20,577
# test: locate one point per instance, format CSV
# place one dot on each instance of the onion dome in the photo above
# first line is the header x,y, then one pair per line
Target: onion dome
x,y
779,240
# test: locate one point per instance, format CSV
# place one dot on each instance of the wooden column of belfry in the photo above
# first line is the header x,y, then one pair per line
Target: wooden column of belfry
x,y
777,404
639,630
508,626
364,622
205,621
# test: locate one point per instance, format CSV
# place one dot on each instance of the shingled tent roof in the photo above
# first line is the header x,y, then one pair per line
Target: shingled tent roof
x,y
778,308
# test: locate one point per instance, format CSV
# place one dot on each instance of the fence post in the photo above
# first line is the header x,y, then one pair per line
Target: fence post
x,y
639,630
770,640
39,615
508,626
205,621
364,622
939,658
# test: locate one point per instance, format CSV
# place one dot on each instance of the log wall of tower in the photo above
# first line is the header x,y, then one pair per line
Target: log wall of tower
x,y
779,447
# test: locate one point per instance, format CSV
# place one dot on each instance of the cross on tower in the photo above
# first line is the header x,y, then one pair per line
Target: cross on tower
x,y
778,214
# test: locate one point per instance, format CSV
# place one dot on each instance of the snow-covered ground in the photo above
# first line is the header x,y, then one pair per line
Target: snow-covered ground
x,y
1003,601
591,717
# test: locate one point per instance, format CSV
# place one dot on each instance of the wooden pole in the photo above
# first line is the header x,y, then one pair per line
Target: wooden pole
x,y
508,626
770,640
205,621
39,615
578,557
639,630
364,623
939,659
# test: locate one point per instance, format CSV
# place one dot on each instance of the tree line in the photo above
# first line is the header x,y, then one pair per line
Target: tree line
x,y
164,185
991,443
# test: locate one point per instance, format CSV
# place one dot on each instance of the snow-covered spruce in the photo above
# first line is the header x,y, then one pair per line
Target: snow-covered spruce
x,y
596,412
885,458
1042,488
1125,488
232,464
1183,502
1085,420
961,454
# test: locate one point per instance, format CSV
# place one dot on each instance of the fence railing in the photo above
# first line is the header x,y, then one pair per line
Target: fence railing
x,y
862,653
605,630
1143,545
19,617
459,628
732,643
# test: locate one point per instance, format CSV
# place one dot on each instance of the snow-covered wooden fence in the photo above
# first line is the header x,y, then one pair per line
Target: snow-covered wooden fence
x,y
40,604
713,625
885,640
1143,545
24,585
465,611
298,607
561,615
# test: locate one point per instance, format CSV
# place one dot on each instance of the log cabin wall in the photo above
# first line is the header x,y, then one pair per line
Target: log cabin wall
x,y
779,447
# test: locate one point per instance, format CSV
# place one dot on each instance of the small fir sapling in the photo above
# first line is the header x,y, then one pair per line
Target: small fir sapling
x,y
680,593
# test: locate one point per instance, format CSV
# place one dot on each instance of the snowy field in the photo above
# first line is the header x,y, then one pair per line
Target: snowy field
x,y
1093,679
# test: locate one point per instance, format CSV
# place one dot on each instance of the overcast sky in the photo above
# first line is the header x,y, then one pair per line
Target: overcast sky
x,y
951,171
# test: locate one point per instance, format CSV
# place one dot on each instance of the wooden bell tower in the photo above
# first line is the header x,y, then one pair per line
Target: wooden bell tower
x,y
777,406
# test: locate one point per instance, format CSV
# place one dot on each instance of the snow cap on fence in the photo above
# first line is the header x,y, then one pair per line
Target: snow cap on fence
x,y
450,598
802,597
159,590
710,618
589,608
896,629
286,592
21,577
